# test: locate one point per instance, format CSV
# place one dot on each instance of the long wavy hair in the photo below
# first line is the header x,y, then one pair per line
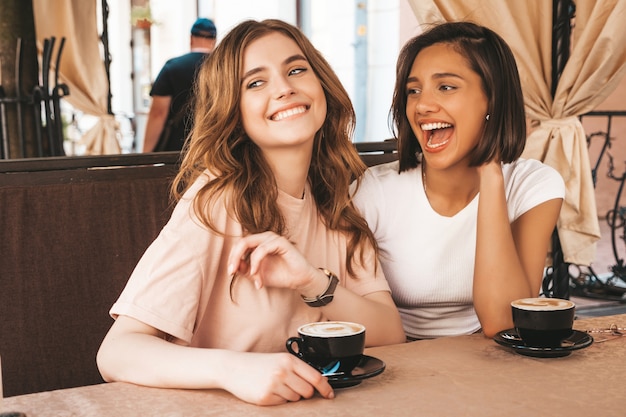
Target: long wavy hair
x,y
489,56
218,143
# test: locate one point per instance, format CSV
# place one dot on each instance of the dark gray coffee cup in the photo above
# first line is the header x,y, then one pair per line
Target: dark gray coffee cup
x,y
332,347
543,322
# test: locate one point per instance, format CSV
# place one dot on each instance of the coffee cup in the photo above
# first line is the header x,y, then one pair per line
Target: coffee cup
x,y
332,347
543,322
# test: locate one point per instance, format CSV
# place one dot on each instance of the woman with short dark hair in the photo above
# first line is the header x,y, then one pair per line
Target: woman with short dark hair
x,y
462,222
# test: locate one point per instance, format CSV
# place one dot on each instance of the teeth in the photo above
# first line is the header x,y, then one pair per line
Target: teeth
x,y
433,126
435,145
287,113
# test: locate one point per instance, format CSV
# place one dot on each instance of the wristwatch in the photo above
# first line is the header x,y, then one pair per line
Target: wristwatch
x,y
327,296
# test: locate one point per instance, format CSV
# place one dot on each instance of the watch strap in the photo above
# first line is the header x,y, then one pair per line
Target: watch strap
x,y
327,296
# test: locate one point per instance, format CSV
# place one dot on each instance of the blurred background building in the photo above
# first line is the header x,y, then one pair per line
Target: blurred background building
x,y
360,38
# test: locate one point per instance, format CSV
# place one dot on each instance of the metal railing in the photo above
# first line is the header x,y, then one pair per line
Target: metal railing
x,y
43,102
584,281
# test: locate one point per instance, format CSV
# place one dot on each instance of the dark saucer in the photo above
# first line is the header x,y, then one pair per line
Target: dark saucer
x,y
578,340
367,367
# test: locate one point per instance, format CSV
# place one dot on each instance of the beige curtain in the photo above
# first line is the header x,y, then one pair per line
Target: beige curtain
x,y
596,65
82,67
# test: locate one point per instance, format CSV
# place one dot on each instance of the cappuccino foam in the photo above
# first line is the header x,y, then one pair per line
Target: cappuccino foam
x,y
542,304
331,329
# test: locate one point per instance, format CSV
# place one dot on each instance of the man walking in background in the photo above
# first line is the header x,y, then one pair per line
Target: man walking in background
x,y
169,119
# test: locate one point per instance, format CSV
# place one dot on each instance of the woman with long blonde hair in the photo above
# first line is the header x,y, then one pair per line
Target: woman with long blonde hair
x,y
264,237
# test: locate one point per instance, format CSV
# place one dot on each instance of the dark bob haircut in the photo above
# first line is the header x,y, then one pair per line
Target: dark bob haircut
x,y
490,57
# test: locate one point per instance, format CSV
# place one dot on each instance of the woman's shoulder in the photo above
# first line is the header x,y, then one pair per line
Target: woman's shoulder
x,y
196,185
389,171
534,174
186,206
386,167
384,178
384,182
530,167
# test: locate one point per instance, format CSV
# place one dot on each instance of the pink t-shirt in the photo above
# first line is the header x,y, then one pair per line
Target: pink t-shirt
x,y
181,287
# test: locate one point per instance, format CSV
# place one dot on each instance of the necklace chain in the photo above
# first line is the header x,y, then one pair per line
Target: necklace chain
x,y
424,178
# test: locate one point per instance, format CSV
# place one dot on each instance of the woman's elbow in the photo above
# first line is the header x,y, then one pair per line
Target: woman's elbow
x,y
399,337
102,365
105,363
395,335
490,330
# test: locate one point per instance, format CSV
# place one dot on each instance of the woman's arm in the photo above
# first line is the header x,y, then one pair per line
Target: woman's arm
x,y
376,311
135,352
271,260
509,257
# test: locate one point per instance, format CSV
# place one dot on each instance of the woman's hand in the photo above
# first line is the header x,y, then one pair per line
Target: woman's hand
x,y
271,260
135,352
491,169
275,378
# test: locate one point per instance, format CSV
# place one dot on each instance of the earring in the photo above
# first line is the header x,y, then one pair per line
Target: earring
x,y
487,117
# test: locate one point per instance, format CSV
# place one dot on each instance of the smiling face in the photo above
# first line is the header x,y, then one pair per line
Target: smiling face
x,y
446,105
282,102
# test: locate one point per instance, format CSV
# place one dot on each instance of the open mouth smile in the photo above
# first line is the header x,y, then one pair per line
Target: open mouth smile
x,y
437,134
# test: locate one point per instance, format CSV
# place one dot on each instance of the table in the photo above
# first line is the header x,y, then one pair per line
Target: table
x,y
455,376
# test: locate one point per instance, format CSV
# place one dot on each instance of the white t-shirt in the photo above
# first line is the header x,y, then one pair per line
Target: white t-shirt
x,y
181,287
428,259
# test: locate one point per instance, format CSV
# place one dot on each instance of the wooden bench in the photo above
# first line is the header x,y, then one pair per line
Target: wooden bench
x,y
374,153
72,230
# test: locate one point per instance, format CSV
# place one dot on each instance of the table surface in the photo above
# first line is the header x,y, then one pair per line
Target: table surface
x,y
455,376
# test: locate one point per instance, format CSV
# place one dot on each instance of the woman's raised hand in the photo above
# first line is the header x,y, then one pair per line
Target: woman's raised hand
x,y
271,260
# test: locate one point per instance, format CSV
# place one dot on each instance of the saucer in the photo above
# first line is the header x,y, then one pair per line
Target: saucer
x,y
578,340
367,367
